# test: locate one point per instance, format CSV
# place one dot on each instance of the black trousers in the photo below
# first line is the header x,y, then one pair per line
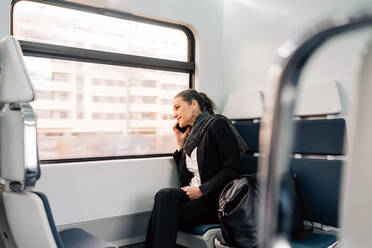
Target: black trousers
x,y
173,211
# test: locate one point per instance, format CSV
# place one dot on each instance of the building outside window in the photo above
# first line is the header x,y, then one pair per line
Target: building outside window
x,y
92,107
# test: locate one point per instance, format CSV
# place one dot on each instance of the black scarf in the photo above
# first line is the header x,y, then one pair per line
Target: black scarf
x,y
201,125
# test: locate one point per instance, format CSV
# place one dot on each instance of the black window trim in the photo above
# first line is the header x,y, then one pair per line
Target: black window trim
x,y
45,50
94,159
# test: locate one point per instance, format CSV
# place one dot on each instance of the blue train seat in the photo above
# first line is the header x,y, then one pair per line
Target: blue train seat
x,y
318,180
317,177
26,219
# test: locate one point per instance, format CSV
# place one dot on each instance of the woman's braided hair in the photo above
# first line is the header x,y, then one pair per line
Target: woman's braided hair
x,y
205,103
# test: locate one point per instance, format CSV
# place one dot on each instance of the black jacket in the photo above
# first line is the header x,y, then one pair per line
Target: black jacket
x,y
218,158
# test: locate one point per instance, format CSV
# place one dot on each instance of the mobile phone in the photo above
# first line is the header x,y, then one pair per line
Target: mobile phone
x,y
182,129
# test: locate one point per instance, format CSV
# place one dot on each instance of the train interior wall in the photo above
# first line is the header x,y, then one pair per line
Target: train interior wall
x,y
236,42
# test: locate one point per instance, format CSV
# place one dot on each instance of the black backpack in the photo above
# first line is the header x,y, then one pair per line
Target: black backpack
x,y
237,212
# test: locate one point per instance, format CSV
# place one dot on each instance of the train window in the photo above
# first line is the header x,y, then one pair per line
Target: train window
x,y
104,84
76,28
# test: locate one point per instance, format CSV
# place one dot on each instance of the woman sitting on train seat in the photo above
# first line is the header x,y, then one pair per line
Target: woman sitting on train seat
x,y
207,158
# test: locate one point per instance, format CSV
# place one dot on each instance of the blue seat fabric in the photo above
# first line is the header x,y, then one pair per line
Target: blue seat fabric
x,y
248,164
74,237
201,229
317,240
318,183
248,130
314,240
323,137
56,236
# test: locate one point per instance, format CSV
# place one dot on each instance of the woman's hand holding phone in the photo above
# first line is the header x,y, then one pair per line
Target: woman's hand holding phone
x,y
180,136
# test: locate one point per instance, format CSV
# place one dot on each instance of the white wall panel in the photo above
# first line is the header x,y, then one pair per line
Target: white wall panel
x,y
4,18
254,29
80,192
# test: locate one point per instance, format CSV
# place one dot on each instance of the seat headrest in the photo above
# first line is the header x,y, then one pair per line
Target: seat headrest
x,y
15,83
244,105
318,99
19,163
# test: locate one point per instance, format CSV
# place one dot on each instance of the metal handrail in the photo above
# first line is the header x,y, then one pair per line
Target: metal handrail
x,y
276,134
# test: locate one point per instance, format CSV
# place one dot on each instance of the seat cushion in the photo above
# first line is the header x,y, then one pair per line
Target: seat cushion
x,y
78,238
315,240
201,236
201,229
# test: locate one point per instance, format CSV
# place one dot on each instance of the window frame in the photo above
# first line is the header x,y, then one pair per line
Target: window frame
x,y
45,50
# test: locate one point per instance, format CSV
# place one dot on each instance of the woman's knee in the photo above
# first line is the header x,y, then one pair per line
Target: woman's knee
x,y
169,194
162,193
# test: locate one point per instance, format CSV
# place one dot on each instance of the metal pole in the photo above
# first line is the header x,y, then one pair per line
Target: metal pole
x,y
276,134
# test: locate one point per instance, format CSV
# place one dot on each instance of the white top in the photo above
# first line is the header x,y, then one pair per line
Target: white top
x,y
192,166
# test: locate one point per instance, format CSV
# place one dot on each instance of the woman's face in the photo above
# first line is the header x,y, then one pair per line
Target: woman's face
x,y
183,112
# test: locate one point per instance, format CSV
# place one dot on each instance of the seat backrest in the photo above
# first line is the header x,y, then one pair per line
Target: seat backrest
x,y
15,83
317,143
25,218
317,177
313,137
19,164
29,223
319,184
245,110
